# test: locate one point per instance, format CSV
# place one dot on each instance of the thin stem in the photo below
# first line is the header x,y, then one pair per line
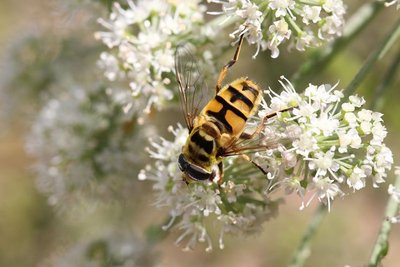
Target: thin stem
x,y
388,79
321,58
382,245
390,39
303,250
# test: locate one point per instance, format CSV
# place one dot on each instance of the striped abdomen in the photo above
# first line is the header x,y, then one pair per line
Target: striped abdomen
x,y
232,106
222,120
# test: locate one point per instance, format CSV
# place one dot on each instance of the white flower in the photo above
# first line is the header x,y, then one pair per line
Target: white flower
x,y
250,14
334,6
249,11
347,139
80,141
109,64
279,32
233,190
142,38
311,13
281,7
356,100
305,143
269,24
357,179
325,190
325,124
323,162
305,39
332,144
208,200
392,3
239,205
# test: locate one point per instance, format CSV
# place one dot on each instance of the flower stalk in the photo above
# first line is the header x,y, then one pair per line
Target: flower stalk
x,y
381,246
387,80
302,252
380,52
380,249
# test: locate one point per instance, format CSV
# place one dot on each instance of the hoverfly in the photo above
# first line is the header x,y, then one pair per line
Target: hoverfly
x,y
217,131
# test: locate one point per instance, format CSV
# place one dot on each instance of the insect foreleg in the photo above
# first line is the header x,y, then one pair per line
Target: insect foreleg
x,y
227,66
276,112
254,163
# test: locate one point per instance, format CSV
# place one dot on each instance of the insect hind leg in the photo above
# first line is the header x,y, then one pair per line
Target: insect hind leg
x,y
227,66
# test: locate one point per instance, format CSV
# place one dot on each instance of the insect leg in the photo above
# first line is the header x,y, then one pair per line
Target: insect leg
x,y
261,125
254,163
227,66
259,167
221,172
279,111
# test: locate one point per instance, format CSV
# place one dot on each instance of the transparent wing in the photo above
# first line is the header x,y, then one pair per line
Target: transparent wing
x,y
256,139
193,90
250,147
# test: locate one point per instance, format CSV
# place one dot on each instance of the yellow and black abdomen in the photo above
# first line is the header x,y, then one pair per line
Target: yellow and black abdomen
x,y
233,105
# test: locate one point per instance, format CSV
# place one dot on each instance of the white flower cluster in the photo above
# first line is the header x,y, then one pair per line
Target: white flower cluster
x,y
119,249
395,194
268,24
324,143
239,205
317,148
142,38
80,138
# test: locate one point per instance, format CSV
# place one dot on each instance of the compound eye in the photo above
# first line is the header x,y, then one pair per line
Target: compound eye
x,y
182,163
180,167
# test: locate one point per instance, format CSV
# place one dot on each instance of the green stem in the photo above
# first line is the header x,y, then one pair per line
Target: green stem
x,y
390,39
382,245
303,250
321,58
388,79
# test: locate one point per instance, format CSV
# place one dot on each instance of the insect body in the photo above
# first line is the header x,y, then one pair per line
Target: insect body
x,y
218,129
218,126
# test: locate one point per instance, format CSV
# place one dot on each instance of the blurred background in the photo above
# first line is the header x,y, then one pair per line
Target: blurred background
x,y
45,43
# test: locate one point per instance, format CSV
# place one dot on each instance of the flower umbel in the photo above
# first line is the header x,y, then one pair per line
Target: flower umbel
x,y
316,148
142,38
81,140
324,142
268,24
239,205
